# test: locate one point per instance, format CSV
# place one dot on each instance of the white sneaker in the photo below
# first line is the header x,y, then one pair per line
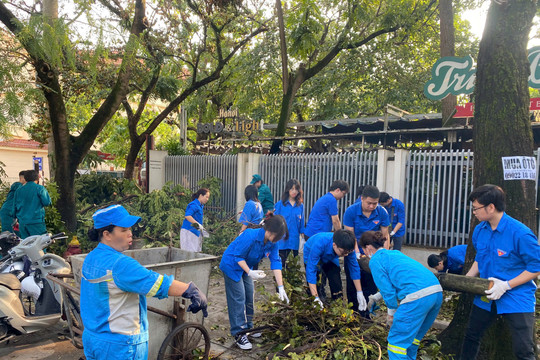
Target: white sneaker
x,y
255,335
243,342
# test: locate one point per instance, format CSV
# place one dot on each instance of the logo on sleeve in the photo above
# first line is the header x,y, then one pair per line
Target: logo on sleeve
x,y
375,222
501,252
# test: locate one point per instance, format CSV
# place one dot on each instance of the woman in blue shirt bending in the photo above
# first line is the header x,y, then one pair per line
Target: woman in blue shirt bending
x,y
291,207
253,211
237,266
190,233
405,282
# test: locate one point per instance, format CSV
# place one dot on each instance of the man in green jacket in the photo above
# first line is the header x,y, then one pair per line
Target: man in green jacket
x,y
6,212
265,196
28,206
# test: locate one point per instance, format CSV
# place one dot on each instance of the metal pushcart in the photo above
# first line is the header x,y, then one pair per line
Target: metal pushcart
x,y
174,333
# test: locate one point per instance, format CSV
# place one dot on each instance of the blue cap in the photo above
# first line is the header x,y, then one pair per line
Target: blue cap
x,y
256,178
114,215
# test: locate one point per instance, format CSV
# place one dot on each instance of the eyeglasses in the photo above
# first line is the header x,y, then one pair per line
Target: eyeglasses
x,y
478,208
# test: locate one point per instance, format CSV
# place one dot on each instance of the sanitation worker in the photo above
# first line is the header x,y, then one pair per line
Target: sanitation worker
x,y
411,292
507,252
6,212
237,263
321,256
29,205
114,288
265,195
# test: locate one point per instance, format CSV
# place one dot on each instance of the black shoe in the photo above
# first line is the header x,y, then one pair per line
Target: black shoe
x,y
243,342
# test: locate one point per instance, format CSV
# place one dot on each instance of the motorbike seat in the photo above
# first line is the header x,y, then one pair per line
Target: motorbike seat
x,y
10,281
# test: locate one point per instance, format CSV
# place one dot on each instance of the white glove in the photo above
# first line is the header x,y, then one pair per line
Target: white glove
x,y
391,312
282,294
498,289
373,299
205,233
362,306
256,274
358,256
200,227
318,303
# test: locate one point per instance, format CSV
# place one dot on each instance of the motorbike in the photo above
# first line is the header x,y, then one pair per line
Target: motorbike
x,y
15,283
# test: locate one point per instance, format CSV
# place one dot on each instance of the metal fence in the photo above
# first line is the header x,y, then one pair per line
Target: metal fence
x,y
316,172
187,170
437,186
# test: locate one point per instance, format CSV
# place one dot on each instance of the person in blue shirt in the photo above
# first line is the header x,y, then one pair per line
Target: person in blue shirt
x,y
324,214
191,233
29,204
451,260
252,214
396,211
360,217
291,207
265,195
321,255
114,288
411,292
237,263
507,253
6,212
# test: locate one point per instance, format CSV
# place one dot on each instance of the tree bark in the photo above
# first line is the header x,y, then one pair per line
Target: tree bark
x,y
501,128
447,47
461,283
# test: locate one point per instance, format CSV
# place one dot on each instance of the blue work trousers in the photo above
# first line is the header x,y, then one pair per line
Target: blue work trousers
x,y
412,320
97,349
239,303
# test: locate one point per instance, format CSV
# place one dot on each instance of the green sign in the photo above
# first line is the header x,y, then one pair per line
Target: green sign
x,y
454,75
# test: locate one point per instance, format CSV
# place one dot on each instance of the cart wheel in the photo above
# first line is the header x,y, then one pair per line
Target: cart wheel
x,y
187,341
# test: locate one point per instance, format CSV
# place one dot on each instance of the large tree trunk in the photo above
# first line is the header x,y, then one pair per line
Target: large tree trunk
x,y
501,128
447,46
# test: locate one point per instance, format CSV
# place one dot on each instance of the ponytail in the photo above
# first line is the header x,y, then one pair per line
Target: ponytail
x,y
201,191
373,238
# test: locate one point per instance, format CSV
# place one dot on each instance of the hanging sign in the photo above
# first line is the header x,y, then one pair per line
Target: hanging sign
x,y
519,167
468,109
455,75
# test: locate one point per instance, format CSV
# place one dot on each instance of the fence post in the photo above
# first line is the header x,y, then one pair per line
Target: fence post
x,y
155,170
247,165
382,171
399,174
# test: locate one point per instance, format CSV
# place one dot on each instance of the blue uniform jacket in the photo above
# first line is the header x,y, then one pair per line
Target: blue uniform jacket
x,y
29,202
456,259
320,218
114,288
504,253
194,209
319,249
7,207
398,216
356,219
252,213
294,216
397,275
250,247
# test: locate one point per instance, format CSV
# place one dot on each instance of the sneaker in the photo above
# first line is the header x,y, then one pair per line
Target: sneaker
x,y
243,342
255,335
